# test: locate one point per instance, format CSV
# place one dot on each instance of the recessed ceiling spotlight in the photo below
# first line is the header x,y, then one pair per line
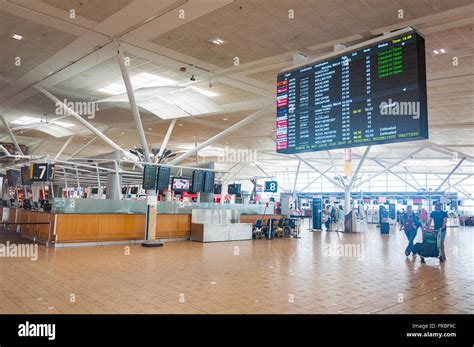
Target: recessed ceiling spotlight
x,y
225,118
180,124
435,52
16,37
443,50
217,41
150,129
122,132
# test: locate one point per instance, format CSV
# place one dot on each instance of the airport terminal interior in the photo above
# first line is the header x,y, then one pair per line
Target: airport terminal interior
x,y
237,156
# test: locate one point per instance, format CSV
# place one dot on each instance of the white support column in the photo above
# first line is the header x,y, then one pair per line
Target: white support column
x,y
133,103
7,127
398,162
68,141
99,188
332,163
317,178
394,173
266,174
166,140
77,178
35,147
319,171
450,174
217,137
81,120
413,177
359,166
296,177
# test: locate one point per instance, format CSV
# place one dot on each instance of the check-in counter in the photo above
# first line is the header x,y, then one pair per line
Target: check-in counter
x,y
118,227
76,228
34,224
89,221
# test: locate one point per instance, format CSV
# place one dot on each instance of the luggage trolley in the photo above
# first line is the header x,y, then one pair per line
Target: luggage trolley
x,y
430,246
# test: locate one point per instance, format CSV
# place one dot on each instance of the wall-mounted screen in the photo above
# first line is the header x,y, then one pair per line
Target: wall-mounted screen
x,y
181,184
372,95
233,189
12,177
217,188
25,175
163,180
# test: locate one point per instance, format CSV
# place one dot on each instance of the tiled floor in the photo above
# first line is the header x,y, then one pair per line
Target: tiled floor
x,y
307,275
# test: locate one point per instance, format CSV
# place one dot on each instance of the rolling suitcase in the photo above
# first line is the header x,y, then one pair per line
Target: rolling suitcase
x,y
384,228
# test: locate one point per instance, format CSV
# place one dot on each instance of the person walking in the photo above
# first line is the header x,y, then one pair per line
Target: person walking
x,y
410,224
327,217
340,220
333,217
440,219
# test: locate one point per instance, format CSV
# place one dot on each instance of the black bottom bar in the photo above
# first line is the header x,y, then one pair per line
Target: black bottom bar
x,y
323,330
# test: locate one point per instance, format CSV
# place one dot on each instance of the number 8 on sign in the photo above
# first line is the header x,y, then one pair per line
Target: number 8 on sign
x,y
271,186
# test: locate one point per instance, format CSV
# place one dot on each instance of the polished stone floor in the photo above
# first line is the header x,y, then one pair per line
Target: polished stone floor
x,y
323,272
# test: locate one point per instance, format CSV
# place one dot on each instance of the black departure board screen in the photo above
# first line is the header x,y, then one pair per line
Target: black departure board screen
x,y
209,178
369,96
149,177
197,185
163,180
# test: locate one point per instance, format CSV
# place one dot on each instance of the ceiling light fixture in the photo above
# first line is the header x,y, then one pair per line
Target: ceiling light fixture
x,y
16,37
217,41
439,51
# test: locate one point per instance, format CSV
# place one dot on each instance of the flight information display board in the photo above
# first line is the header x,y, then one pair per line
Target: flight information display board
x,y
163,178
197,185
149,177
369,96
209,179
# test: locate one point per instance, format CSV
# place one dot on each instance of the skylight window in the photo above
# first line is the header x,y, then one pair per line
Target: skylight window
x,y
205,92
25,120
141,80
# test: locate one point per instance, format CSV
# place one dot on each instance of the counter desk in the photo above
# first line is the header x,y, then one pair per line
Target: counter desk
x,y
63,229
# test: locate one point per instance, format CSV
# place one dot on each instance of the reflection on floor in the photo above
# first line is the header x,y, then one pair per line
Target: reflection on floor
x,y
323,272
